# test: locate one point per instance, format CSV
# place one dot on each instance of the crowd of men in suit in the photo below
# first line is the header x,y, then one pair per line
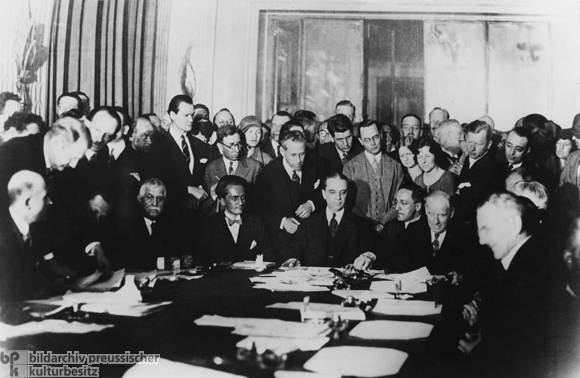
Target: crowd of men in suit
x,y
98,190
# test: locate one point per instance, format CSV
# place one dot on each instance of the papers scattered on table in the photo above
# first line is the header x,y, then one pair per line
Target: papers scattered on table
x,y
170,369
266,327
368,294
325,310
411,308
407,287
391,330
357,361
305,279
251,265
125,302
98,283
420,275
283,344
48,326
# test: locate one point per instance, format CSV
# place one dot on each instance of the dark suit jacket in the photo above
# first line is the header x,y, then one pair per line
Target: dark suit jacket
x,y
311,246
392,237
22,153
415,250
515,315
94,174
267,147
247,169
276,196
219,245
130,161
20,277
135,248
484,178
169,165
330,154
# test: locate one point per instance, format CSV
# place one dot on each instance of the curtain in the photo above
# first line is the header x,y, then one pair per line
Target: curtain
x,y
111,50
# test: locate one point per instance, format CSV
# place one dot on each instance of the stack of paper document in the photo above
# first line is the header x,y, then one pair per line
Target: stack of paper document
x,y
125,302
409,308
266,327
251,265
404,287
420,275
283,344
325,310
391,330
170,369
300,279
357,361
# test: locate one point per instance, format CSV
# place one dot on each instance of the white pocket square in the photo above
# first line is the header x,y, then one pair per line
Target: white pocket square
x,y
316,184
203,161
253,245
136,176
464,185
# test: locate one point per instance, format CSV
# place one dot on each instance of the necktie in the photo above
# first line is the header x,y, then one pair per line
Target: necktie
x,y
26,239
152,227
343,158
231,170
232,221
375,165
333,226
509,168
436,245
185,149
295,177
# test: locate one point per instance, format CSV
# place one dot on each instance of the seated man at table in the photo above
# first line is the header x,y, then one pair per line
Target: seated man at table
x,y
441,244
515,315
334,237
146,234
232,234
20,275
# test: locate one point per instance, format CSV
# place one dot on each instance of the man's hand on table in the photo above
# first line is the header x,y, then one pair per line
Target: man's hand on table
x,y
290,225
364,261
471,341
291,263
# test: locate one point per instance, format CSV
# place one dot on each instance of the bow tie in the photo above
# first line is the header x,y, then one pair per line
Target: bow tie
x,y
232,221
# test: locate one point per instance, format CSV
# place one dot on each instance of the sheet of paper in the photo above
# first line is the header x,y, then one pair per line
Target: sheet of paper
x,y
266,327
410,308
96,282
251,265
48,326
367,294
408,287
290,287
86,281
391,330
350,313
170,369
302,374
357,361
283,344
421,275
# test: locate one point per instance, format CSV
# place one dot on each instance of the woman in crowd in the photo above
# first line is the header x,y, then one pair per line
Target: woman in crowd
x,y
433,177
251,127
565,146
408,152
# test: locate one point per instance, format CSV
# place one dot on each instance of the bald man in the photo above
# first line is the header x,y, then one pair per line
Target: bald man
x,y
20,277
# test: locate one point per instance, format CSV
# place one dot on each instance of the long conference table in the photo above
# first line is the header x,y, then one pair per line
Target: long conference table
x,y
173,335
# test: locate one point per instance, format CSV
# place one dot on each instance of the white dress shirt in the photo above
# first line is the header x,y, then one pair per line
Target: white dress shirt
x,y
149,223
338,217
227,163
372,158
235,227
116,147
176,135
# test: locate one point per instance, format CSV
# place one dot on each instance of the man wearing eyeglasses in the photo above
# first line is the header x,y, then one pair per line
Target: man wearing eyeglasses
x,y
375,177
345,145
229,144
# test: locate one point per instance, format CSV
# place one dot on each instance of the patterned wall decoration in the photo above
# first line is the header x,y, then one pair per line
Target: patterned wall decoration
x,y
109,49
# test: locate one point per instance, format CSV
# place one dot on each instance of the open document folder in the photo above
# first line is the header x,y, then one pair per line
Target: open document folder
x,y
266,327
124,302
357,361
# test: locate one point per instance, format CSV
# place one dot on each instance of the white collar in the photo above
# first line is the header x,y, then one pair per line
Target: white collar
x,y
329,213
440,238
46,159
514,166
340,153
89,154
177,134
228,161
20,223
456,156
289,169
371,157
472,161
412,221
231,216
507,260
115,148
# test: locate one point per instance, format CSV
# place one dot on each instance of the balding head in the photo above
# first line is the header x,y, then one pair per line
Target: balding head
x,y
450,134
66,143
142,136
27,196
